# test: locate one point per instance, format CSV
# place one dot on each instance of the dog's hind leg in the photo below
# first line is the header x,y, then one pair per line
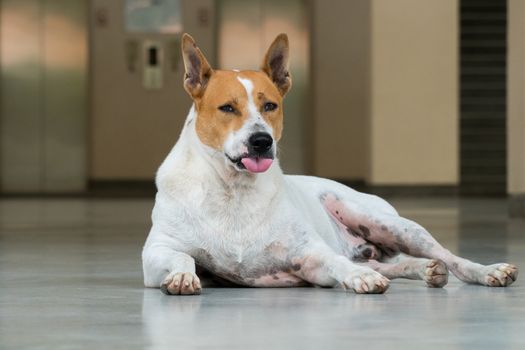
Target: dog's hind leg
x,y
172,271
433,272
393,234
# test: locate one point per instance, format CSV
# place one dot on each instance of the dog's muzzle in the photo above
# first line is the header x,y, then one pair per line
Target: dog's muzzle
x,y
259,157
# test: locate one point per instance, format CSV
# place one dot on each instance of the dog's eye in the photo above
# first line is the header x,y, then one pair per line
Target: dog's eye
x,y
269,106
227,108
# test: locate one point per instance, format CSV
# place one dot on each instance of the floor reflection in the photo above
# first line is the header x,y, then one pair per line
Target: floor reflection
x,y
70,277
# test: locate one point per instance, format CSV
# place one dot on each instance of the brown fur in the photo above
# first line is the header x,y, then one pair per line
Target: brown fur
x,y
213,125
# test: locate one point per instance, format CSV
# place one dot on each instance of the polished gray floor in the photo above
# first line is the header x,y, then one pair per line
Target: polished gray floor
x,y
70,278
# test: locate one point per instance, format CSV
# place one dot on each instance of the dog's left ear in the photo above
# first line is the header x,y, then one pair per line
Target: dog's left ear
x,y
276,64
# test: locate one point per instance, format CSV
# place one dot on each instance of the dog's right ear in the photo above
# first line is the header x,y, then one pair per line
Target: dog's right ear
x,y
198,70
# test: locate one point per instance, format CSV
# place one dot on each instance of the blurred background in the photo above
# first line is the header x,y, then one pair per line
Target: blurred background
x,y
419,97
419,101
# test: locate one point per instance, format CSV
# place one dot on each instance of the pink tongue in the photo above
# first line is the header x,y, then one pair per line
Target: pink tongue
x,y
256,165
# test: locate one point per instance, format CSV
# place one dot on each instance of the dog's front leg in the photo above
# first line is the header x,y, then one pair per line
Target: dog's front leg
x,y
173,271
325,268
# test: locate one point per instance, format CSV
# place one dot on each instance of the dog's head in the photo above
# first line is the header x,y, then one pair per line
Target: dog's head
x,y
239,113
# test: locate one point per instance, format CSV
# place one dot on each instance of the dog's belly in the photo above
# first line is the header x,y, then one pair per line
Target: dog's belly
x,y
275,280
245,277
256,272
279,279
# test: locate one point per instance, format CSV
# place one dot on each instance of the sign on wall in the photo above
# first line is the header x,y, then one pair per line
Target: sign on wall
x,y
153,16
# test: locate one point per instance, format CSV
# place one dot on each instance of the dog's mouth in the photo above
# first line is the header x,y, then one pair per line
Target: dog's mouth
x,y
252,163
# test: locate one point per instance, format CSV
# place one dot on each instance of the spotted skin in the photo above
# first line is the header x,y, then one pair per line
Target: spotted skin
x,y
393,234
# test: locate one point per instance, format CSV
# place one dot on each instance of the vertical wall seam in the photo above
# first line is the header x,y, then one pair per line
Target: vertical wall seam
x,y
42,93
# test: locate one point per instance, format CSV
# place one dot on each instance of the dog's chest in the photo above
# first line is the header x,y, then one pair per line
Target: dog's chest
x,y
233,241
245,252
232,216
229,233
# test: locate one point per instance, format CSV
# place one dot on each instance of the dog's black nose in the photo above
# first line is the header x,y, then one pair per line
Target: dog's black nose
x,y
260,142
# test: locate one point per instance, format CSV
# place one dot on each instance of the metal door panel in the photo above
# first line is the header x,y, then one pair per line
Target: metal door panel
x,y
246,30
64,93
43,95
239,35
290,17
20,105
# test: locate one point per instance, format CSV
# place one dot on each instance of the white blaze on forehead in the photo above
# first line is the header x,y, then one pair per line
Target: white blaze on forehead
x,y
255,119
248,86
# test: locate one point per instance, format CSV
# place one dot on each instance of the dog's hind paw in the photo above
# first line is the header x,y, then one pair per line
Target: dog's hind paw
x,y
181,283
435,274
500,275
367,282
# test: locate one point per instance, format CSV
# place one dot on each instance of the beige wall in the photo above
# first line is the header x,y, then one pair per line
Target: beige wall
x,y
133,129
516,97
340,77
385,94
414,92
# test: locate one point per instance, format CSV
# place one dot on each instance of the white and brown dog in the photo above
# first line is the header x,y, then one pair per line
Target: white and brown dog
x,y
223,203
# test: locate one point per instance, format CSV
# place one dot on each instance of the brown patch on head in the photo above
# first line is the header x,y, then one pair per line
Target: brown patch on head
x,y
211,89
264,91
224,88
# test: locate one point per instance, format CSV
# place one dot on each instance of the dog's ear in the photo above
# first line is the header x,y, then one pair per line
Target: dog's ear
x,y
276,64
198,70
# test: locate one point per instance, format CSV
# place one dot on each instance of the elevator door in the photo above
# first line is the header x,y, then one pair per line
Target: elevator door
x,y
246,28
43,59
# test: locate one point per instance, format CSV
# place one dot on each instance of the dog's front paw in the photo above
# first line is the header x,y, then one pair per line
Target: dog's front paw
x,y
367,282
181,283
500,275
435,273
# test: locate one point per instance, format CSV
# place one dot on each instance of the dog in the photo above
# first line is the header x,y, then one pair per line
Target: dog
x,y
223,204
